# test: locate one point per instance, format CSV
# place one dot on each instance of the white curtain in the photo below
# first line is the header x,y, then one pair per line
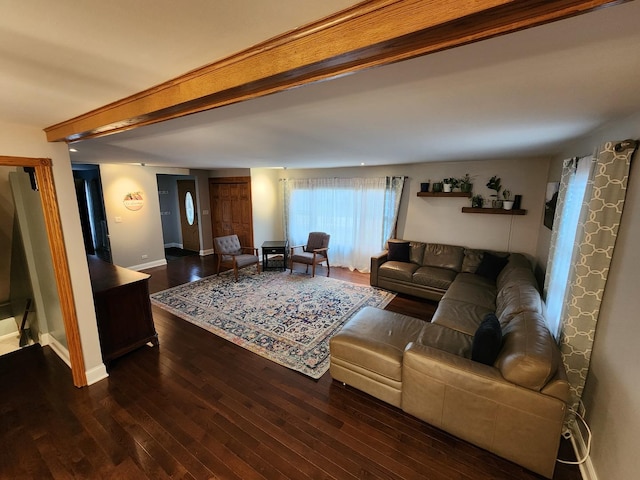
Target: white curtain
x,y
573,184
358,213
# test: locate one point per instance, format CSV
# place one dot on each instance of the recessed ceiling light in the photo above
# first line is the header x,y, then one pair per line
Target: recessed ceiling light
x,y
362,164
73,150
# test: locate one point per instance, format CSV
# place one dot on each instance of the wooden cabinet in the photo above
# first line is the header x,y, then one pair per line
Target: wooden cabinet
x,y
123,308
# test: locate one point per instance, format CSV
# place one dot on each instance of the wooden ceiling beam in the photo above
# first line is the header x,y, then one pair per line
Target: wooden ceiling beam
x,y
373,33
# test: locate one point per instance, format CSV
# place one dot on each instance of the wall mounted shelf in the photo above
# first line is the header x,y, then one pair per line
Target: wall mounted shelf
x,y
445,194
494,211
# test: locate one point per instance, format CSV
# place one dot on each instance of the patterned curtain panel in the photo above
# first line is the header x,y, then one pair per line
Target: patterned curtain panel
x,y
596,234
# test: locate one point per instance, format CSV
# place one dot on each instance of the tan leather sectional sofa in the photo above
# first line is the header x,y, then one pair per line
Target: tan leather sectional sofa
x,y
515,407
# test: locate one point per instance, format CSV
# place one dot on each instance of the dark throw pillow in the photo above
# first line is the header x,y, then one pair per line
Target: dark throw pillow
x,y
491,266
399,251
487,341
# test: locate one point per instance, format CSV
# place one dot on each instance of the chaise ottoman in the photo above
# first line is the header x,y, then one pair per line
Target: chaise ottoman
x,y
367,352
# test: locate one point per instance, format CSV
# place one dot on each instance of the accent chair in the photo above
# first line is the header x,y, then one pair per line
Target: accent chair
x,y
315,252
231,254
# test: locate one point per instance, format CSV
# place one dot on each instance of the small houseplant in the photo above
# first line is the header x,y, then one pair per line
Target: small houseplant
x,y
477,201
494,184
507,204
465,183
449,184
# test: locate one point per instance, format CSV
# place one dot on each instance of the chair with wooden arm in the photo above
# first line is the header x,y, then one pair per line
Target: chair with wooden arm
x,y
232,255
315,252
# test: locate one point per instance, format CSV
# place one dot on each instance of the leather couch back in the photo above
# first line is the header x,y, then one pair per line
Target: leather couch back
x,y
443,256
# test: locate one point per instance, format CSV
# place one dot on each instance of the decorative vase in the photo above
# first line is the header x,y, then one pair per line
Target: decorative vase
x,y
437,187
517,201
496,203
466,187
424,187
447,187
507,204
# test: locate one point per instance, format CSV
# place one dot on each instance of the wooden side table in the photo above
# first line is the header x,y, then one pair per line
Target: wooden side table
x,y
274,255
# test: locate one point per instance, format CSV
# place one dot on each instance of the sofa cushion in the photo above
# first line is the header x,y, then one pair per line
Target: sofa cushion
x,y
481,294
517,270
374,340
515,299
460,315
487,340
434,277
443,256
491,266
473,257
445,339
529,355
398,270
416,252
398,251
477,280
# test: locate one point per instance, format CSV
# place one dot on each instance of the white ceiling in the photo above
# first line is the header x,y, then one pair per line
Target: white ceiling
x,y
523,94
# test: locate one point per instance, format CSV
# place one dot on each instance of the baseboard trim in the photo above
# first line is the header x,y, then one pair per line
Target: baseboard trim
x,y
144,266
579,447
208,251
96,374
56,346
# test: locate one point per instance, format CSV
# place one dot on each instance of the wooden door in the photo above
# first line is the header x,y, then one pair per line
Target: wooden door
x,y
231,210
188,215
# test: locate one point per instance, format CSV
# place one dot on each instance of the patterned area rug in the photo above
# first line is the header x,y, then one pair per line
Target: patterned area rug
x,y
286,318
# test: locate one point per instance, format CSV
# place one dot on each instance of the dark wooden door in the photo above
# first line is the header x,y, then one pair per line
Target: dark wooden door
x,y
231,210
188,215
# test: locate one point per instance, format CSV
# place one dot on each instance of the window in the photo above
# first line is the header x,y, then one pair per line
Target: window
x,y
358,213
189,208
563,253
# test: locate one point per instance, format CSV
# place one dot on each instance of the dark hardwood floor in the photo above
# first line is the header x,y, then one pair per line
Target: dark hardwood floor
x,y
201,407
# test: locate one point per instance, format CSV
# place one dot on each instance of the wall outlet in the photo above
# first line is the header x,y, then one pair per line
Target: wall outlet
x,y
205,212
118,219
145,256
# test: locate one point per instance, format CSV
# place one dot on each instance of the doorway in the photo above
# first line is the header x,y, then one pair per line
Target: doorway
x,y
93,217
179,215
41,178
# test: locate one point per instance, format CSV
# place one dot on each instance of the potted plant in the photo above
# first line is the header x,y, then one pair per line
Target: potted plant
x,y
477,201
465,183
507,204
494,184
449,184
436,187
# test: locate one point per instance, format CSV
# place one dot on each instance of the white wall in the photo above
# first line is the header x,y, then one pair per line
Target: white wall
x,y
135,236
267,210
441,219
612,394
20,141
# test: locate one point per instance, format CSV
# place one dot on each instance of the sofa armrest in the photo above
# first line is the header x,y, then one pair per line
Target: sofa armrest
x,y
448,369
474,402
376,261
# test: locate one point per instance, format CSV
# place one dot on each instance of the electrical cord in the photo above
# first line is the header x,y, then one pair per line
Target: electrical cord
x,y
586,455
